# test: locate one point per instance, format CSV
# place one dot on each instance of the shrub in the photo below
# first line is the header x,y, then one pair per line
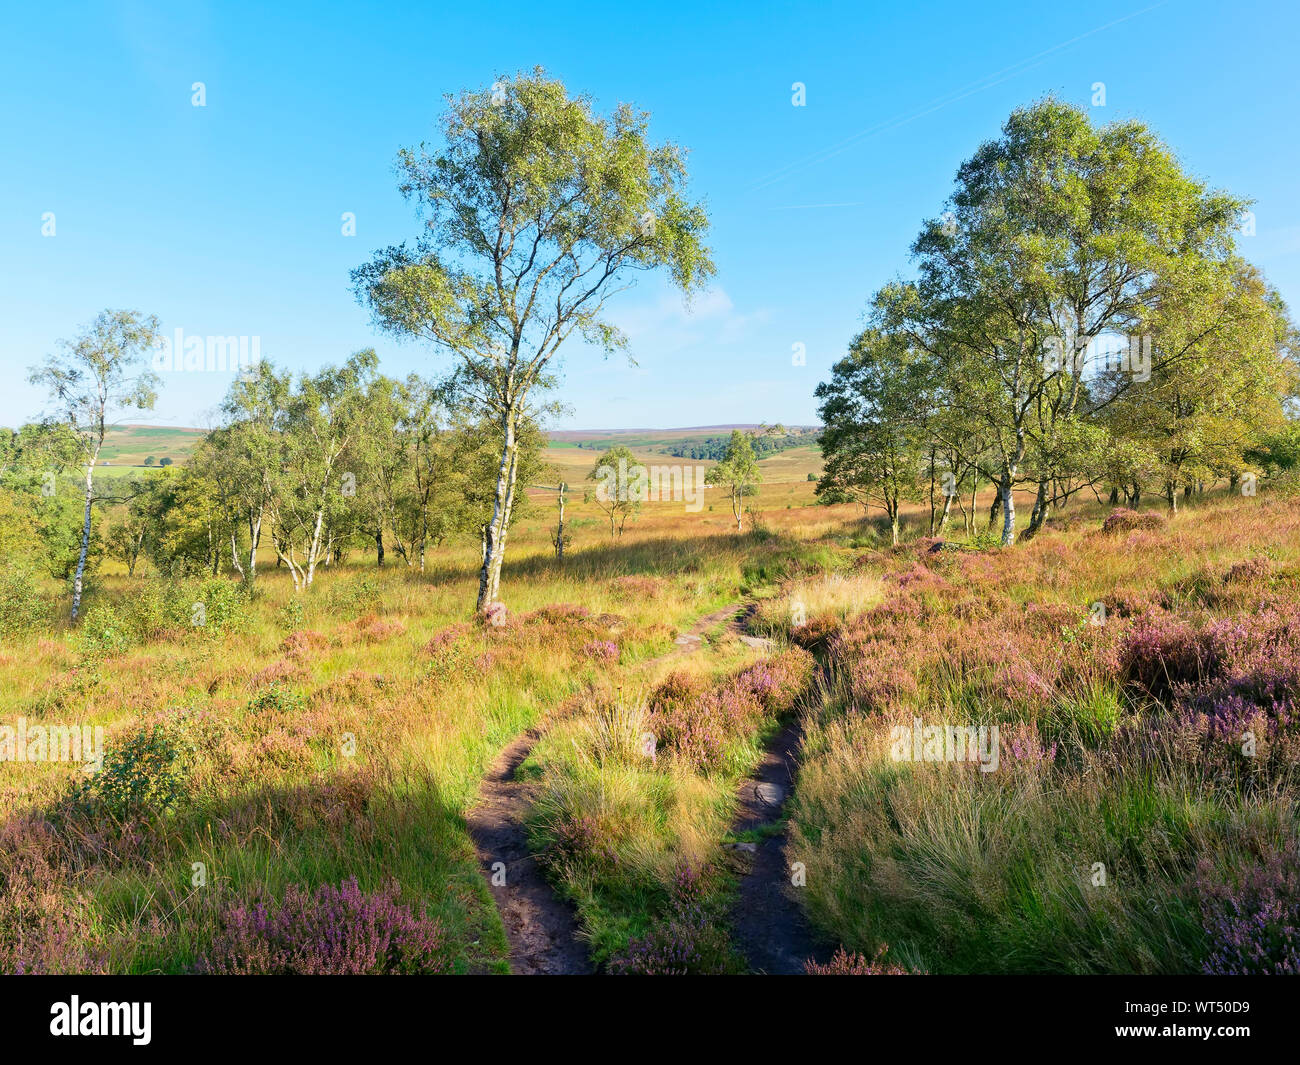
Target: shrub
x,y
601,650
302,642
44,926
333,931
103,634
22,609
352,598
373,629
291,616
1159,653
276,698
1121,519
145,773
225,606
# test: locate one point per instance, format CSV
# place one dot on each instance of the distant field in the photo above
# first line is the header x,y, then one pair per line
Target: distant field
x,y
130,445
572,451
785,474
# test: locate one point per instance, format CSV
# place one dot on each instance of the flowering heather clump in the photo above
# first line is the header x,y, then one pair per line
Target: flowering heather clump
x,y
879,676
280,671
335,931
697,723
920,578
778,681
44,927
1121,519
1021,746
846,964
1160,652
601,650
494,615
303,642
1254,925
816,632
444,638
696,732
687,940
374,629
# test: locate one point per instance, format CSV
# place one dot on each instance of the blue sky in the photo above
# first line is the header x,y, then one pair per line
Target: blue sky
x,y
225,219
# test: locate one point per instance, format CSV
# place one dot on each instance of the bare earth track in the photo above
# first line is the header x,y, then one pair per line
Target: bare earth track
x,y
539,926
768,924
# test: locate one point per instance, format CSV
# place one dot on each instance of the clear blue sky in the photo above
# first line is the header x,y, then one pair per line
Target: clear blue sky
x,y
226,219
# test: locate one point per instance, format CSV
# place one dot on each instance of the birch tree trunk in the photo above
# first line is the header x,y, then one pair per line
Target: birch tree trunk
x,y
79,576
490,573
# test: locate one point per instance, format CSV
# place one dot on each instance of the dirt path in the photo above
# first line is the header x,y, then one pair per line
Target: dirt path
x,y
768,923
540,927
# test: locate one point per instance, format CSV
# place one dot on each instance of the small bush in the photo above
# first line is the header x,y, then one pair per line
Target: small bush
x,y
104,633
22,609
144,774
353,598
225,606
291,616
276,698
1121,519
335,931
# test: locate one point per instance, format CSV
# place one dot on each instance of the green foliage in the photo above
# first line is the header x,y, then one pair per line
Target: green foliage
x,y
538,209
618,491
104,632
875,411
23,609
277,698
738,473
225,606
144,774
291,617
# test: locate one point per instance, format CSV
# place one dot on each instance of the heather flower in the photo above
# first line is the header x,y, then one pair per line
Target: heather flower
x,y
1253,924
846,964
333,931
601,650
1121,519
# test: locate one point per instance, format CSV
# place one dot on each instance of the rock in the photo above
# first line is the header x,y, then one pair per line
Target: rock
x,y
742,848
759,643
687,639
769,794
